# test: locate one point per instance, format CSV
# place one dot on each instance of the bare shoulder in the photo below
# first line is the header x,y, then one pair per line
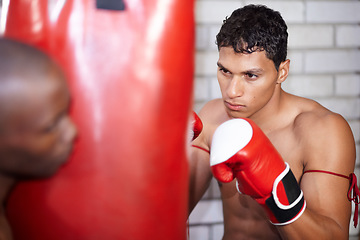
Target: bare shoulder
x,y
326,138
317,118
212,110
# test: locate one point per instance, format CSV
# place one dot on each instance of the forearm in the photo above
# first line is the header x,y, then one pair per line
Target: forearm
x,y
199,175
313,226
199,183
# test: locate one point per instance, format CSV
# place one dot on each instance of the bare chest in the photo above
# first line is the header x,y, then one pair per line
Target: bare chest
x,y
290,148
244,218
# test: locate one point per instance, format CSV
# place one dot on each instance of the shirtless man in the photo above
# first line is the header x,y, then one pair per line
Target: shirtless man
x,y
36,132
252,65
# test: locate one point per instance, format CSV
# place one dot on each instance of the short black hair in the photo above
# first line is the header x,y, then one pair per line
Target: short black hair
x,y
255,28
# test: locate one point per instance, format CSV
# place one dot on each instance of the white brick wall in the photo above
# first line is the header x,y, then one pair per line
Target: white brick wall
x,y
333,12
332,61
324,48
317,36
347,36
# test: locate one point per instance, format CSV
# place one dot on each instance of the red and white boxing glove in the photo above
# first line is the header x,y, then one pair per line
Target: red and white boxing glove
x,y
197,126
241,150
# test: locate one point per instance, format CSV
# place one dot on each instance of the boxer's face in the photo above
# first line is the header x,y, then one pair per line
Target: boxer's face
x,y
41,133
247,81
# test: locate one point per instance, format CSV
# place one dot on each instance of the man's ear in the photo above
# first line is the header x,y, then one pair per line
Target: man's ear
x,y
283,71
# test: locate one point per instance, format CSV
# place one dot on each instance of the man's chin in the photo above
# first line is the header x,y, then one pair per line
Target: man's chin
x,y
236,114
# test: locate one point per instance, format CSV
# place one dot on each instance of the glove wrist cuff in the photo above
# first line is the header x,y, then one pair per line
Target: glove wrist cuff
x,y
286,203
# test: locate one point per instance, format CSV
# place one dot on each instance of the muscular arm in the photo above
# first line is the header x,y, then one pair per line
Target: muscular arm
x,y
200,176
328,145
199,161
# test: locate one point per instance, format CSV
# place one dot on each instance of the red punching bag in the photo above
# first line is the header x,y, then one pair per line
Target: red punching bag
x,y
130,71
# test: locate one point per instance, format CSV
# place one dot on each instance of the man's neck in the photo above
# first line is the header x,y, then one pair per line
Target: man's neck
x,y
267,117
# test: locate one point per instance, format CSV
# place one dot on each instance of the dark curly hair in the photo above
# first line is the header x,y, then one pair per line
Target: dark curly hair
x,y
255,28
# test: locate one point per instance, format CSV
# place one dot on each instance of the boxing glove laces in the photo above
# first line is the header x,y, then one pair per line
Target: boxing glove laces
x,y
241,151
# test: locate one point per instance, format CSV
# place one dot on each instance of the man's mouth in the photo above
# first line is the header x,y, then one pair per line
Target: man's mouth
x,y
234,106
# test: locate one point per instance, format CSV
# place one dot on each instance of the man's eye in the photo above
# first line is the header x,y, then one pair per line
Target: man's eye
x,y
251,76
50,128
53,125
224,70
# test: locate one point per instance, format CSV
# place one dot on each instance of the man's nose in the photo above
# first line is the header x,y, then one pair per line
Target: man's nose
x,y
236,87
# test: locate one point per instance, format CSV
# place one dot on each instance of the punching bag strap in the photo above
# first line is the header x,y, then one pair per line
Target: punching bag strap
x,y
117,5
